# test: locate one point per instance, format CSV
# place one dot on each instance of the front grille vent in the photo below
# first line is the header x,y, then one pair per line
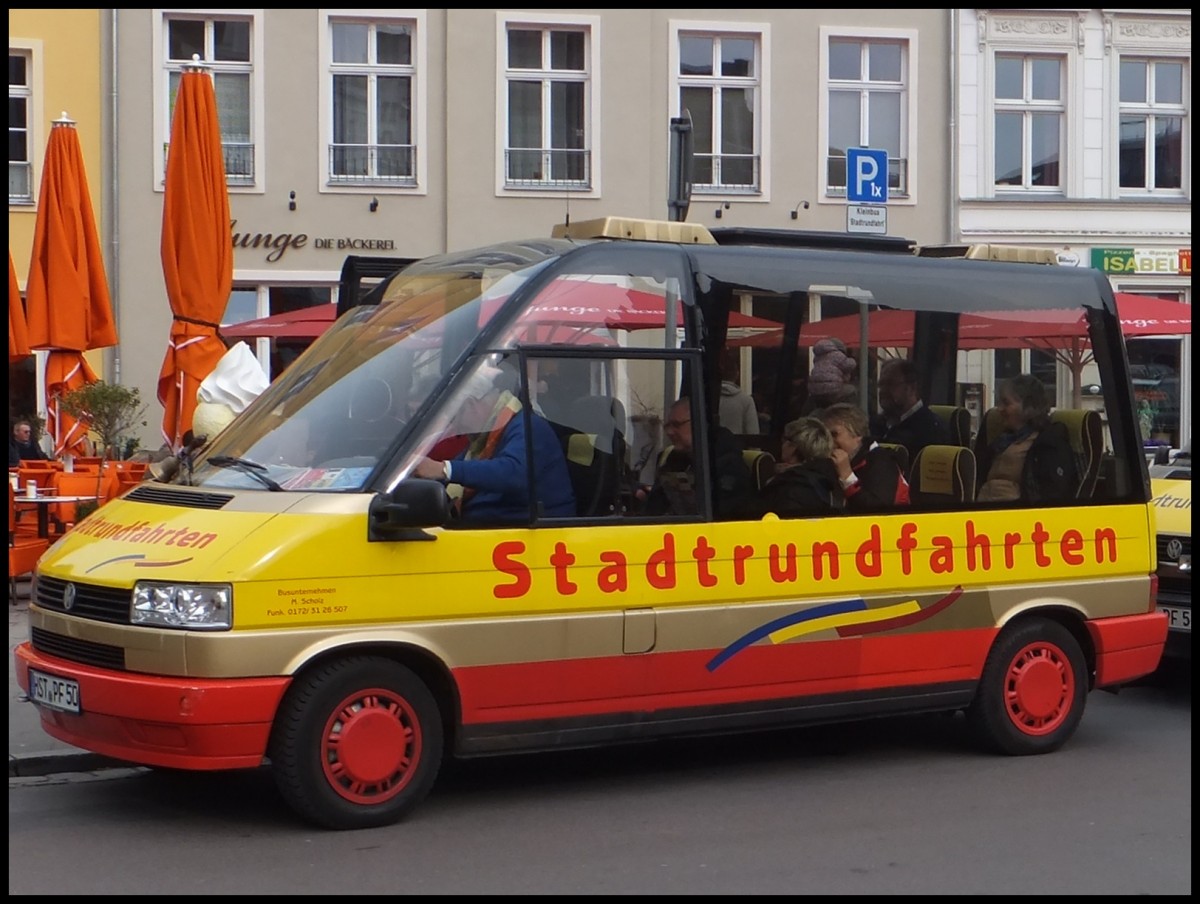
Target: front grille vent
x,y
184,498
101,655
106,604
1164,544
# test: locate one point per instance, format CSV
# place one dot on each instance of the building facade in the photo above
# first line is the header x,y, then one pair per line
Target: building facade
x,y
1074,133
411,132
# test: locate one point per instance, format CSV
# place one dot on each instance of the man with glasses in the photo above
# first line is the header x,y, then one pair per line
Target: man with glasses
x,y
21,445
674,490
904,419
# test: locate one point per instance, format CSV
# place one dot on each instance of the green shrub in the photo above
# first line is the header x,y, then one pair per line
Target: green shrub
x,y
110,411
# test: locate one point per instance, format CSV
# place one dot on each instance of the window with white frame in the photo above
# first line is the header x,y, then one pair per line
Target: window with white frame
x,y
1028,115
20,163
1152,109
720,89
223,44
548,85
869,96
372,73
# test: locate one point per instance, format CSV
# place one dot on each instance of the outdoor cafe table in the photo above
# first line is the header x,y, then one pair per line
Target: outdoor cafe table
x,y
43,501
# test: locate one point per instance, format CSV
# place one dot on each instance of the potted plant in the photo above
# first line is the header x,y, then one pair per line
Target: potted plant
x,y
111,412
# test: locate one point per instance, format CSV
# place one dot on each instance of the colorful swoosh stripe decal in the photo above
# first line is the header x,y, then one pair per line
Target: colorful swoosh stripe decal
x,y
137,559
848,617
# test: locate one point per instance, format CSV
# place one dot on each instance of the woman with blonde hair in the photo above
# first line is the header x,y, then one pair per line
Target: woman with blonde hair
x,y
806,483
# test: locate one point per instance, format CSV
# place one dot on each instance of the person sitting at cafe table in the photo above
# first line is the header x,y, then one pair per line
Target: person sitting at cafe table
x,y
488,480
22,446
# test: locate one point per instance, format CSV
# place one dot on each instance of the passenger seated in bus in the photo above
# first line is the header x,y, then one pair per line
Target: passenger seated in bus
x,y
806,483
869,475
674,485
904,417
489,481
1031,460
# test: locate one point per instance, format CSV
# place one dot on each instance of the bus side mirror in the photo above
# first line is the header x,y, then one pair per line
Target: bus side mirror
x,y
416,503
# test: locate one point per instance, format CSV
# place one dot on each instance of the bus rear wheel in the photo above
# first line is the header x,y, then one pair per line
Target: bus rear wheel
x,y
1033,689
358,743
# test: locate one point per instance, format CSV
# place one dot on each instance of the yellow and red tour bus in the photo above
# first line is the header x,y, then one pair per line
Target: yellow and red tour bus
x,y
294,595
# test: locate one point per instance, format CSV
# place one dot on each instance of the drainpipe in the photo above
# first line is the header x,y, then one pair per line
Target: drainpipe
x,y
114,239
952,217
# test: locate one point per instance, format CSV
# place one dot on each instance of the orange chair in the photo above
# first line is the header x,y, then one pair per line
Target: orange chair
x,y
78,483
23,550
40,464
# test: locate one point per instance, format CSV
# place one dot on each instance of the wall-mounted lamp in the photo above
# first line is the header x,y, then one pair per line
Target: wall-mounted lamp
x,y
717,212
291,200
795,209
374,205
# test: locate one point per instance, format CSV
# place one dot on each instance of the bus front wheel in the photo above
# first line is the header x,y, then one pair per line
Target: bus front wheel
x,y
1033,689
358,743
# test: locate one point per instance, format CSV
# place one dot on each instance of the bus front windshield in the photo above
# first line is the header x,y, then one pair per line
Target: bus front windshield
x,y
332,416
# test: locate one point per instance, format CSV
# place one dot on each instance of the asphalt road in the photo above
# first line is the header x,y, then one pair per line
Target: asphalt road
x,y
901,806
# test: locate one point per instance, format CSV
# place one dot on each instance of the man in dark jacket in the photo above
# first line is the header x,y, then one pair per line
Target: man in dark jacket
x,y
905,419
674,486
21,446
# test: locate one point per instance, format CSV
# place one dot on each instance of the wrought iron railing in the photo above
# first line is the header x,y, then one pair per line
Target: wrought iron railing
x,y
548,168
20,182
373,164
238,158
726,172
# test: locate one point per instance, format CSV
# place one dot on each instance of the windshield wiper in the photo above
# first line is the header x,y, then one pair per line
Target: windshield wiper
x,y
245,466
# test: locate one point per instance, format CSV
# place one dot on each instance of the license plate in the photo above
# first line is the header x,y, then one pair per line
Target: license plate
x,y
1178,619
54,692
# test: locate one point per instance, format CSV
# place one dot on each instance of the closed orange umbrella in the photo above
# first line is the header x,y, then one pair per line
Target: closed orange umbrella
x,y
197,250
68,306
18,332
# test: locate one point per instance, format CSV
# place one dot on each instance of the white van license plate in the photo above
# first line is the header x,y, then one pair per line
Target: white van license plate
x,y
1178,619
54,692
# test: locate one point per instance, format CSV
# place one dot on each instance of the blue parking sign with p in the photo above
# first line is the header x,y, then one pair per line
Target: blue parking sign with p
x,y
866,176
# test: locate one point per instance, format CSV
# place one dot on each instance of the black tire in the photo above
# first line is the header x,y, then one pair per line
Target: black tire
x,y
1033,689
357,743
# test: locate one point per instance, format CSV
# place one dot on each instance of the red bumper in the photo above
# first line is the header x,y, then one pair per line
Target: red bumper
x,y
182,723
1128,647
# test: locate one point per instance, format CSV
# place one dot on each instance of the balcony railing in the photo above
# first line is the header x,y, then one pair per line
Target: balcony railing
x,y
548,168
373,164
20,182
238,158
726,172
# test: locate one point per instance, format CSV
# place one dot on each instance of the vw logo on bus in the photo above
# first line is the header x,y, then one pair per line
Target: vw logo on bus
x,y
69,597
1174,549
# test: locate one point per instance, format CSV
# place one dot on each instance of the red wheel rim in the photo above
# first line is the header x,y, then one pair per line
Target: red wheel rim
x,y
371,746
1039,688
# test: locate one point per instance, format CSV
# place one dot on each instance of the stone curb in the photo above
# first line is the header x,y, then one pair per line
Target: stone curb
x,y
26,765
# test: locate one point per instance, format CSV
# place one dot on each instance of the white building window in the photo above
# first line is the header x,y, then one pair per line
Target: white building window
x,y
719,79
228,45
1029,121
869,99
372,83
1153,112
547,106
20,117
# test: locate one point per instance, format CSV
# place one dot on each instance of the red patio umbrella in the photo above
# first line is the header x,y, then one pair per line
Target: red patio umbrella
x,y
197,250
302,323
68,307
18,331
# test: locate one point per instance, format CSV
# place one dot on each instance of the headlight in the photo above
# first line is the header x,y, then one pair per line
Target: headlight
x,y
200,607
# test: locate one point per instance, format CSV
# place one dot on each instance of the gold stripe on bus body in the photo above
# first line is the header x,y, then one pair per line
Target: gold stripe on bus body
x,y
510,640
